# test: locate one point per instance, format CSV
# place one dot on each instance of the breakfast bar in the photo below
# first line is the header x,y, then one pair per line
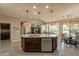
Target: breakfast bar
x,y
39,42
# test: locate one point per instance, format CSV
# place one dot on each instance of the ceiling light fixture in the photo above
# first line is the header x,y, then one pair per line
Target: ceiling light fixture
x,y
35,13
47,6
38,12
51,11
68,15
34,7
27,11
62,16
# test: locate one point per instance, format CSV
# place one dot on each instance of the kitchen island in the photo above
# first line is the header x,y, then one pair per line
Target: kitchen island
x,y
39,42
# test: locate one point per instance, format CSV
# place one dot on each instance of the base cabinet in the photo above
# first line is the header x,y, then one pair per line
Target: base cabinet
x,y
39,44
54,44
31,45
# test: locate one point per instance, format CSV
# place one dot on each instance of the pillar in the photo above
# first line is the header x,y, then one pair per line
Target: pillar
x,y
60,31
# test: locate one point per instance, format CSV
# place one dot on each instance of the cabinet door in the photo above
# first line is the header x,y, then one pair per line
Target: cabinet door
x,y
31,44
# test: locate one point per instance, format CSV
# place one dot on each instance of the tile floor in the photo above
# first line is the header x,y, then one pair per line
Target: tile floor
x,y
14,49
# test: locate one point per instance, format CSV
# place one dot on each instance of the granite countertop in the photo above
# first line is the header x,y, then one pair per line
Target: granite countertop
x,y
39,35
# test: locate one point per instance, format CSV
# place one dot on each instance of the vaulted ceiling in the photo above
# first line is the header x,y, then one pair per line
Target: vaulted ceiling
x,y
60,11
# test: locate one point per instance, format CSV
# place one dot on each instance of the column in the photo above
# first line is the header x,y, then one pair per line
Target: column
x,y
60,31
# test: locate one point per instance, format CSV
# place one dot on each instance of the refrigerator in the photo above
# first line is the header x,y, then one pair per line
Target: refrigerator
x,y
4,31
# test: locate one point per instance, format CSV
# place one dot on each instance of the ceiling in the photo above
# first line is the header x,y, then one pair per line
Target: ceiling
x,y
60,11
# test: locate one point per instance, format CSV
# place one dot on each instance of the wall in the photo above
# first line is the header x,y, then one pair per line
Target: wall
x,y
15,27
27,27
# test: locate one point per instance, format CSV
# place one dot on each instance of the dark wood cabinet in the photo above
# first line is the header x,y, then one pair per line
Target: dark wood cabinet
x,y
54,43
31,44
4,31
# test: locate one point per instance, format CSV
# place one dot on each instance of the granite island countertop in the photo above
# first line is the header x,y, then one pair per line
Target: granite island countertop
x,y
39,36
39,42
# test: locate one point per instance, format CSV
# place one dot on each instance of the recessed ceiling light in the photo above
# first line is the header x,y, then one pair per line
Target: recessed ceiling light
x,y
47,6
34,7
35,13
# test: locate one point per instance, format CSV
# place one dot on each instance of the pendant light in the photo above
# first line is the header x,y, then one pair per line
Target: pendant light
x,y
69,25
51,11
27,11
